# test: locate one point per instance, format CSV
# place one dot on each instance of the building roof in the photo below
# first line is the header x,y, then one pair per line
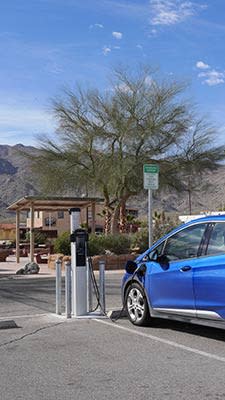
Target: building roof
x,y
53,203
7,226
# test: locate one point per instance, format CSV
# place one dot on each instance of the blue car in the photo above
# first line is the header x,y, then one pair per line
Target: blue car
x,y
181,277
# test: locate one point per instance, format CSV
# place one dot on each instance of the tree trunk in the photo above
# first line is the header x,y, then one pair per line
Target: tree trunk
x,y
108,211
115,220
108,217
122,216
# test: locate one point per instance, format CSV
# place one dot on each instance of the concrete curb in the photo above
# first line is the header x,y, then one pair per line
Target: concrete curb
x,y
115,314
10,324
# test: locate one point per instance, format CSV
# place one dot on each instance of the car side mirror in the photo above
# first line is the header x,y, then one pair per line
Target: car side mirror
x,y
130,266
163,260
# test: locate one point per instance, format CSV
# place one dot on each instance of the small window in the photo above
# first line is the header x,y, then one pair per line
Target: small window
x,y
156,252
50,221
60,214
217,240
184,244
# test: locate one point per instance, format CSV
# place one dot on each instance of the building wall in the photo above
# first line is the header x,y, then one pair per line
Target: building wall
x,y
55,220
60,220
7,232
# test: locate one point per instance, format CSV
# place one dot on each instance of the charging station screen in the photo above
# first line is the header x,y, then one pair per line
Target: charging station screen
x,y
80,251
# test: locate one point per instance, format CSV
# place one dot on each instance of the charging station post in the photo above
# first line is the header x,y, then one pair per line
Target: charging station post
x,y
68,293
102,285
58,287
89,286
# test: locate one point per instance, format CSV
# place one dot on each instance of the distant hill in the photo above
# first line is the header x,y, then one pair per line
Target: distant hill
x,y
17,180
209,196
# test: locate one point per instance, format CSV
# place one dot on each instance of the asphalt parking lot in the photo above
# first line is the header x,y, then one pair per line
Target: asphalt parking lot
x,y
47,357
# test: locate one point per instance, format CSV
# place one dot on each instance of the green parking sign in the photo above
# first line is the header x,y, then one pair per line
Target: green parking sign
x,y
151,176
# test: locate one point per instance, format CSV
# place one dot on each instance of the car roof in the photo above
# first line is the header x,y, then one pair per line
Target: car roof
x,y
208,218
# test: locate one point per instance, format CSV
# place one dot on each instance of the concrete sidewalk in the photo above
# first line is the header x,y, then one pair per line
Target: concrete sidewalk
x,y
10,266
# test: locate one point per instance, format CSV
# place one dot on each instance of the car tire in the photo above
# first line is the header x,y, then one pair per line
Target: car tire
x,y
137,305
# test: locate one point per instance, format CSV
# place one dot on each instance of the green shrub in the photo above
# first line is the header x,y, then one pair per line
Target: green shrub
x,y
117,244
96,245
161,226
140,240
62,244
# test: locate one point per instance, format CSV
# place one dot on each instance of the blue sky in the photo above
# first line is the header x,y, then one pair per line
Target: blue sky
x,y
46,45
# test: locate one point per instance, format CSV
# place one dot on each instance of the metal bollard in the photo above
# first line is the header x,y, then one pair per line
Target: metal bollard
x,y
58,268
102,285
68,289
89,287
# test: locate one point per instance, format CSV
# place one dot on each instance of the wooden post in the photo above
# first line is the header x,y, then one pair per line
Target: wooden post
x,y
32,232
93,217
17,236
87,217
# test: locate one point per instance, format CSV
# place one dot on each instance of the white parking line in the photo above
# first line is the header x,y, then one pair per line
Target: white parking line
x,y
164,341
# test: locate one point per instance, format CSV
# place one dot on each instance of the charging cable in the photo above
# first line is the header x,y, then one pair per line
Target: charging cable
x,y
141,269
95,287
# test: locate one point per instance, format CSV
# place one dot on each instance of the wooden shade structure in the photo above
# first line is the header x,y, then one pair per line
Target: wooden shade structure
x,y
36,203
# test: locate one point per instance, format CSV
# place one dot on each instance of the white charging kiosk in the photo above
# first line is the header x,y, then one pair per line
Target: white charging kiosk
x,y
78,238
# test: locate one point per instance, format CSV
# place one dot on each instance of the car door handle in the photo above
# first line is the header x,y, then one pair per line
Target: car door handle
x,y
185,269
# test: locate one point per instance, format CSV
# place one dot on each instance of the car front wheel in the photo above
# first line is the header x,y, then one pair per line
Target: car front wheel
x,y
137,305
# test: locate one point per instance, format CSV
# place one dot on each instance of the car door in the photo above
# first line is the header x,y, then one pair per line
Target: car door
x,y
209,276
171,286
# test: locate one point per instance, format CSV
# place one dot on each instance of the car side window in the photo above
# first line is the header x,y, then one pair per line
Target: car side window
x,y
185,243
217,240
156,252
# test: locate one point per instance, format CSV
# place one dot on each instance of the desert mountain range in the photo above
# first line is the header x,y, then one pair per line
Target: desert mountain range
x,y
17,180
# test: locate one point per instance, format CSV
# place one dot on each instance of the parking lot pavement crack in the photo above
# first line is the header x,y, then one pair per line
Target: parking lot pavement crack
x,y
29,334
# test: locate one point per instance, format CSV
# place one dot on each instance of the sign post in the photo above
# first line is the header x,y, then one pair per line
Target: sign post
x,y
151,182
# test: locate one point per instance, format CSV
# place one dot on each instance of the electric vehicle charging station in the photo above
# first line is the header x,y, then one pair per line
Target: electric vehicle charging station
x,y
82,273
79,272
78,238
